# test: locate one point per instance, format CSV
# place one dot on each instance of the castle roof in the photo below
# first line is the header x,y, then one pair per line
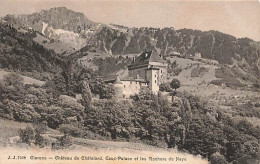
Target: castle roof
x,y
147,57
139,79
115,79
109,78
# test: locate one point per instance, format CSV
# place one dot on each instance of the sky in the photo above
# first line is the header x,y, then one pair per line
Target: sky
x,y
237,18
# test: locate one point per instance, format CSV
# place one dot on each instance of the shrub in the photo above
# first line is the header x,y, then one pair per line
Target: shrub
x,y
27,135
107,91
41,127
13,79
70,130
39,141
65,141
55,120
165,87
198,71
144,94
217,158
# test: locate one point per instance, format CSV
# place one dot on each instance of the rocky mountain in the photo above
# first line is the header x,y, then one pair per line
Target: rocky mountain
x,y
60,25
56,18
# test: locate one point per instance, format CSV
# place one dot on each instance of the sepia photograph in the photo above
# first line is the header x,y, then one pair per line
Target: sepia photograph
x,y
135,82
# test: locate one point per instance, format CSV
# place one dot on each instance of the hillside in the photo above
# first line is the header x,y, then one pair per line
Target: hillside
x,y
66,31
241,53
20,53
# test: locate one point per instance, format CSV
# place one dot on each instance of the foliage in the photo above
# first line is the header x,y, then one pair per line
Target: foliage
x,y
217,158
20,53
144,94
165,87
151,119
27,135
39,140
199,71
86,94
110,65
71,130
13,79
107,91
65,141
175,84
69,81
12,87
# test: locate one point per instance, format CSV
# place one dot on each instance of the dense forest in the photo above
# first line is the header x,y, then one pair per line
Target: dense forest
x,y
20,52
189,124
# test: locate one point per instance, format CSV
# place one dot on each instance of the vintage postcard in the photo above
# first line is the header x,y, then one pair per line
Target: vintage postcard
x,y
149,82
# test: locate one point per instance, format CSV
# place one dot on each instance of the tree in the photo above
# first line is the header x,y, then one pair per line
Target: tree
x,y
107,91
175,84
27,135
13,79
165,87
86,94
217,158
144,94
12,87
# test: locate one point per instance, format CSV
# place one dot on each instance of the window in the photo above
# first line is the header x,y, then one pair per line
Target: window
x,y
155,81
155,75
130,82
161,71
136,82
124,86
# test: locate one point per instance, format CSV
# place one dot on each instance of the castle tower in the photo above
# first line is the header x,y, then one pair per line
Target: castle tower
x,y
151,67
152,77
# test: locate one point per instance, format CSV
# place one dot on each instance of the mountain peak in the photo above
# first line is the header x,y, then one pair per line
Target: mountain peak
x,y
63,10
57,18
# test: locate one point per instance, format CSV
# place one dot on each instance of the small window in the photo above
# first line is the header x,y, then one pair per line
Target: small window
x,y
155,75
161,71
136,82
155,81
124,86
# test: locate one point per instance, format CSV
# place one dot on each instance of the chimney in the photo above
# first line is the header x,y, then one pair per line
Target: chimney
x,y
137,76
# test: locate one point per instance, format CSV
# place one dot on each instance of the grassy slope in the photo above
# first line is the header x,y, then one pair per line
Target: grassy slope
x,y
9,129
216,95
27,80
58,47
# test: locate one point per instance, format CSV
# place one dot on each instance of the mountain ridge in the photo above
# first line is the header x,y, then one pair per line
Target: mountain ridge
x,y
121,40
